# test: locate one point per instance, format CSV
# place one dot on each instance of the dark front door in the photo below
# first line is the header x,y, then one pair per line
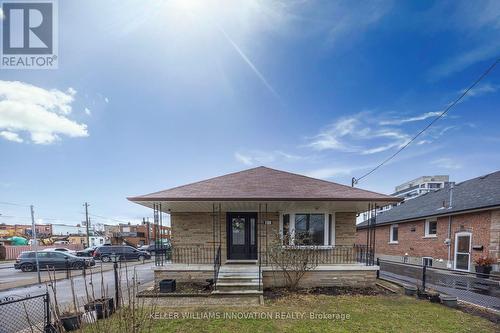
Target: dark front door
x,y
242,235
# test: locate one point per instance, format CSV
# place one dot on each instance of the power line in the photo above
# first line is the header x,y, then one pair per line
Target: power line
x,y
448,108
109,218
12,204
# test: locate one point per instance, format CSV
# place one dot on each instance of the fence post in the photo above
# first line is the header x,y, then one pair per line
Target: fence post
x,y
67,268
424,269
378,270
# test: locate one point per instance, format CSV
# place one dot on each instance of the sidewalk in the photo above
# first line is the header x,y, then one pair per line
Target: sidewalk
x,y
7,264
62,274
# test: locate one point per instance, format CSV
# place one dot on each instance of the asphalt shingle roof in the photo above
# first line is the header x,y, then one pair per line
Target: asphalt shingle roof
x,y
480,192
264,183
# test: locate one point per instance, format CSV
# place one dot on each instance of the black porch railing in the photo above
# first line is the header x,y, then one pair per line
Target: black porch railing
x,y
217,263
336,255
192,255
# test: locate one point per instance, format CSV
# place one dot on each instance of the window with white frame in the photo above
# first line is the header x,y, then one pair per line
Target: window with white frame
x,y
430,228
308,229
427,261
393,234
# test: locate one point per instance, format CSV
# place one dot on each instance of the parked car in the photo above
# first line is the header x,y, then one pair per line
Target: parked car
x,y
153,248
61,249
26,261
87,252
124,252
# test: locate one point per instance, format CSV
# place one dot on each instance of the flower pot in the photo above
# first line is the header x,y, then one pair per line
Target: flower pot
x,y
483,271
434,297
71,322
450,301
167,286
421,294
410,290
103,307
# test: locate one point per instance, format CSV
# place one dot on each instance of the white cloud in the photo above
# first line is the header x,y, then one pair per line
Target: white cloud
x,y
358,134
245,159
40,112
348,19
326,173
88,112
446,163
410,119
477,22
11,136
480,90
106,99
257,157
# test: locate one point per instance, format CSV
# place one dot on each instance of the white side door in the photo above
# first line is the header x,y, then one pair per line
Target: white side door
x,y
463,241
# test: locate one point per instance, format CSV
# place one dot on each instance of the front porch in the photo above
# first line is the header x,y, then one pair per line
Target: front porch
x,y
244,215
203,247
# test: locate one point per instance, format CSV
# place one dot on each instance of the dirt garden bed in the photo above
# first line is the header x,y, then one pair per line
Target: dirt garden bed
x,y
276,293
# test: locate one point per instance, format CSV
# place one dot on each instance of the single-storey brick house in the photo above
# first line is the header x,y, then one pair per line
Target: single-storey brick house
x,y
449,228
224,226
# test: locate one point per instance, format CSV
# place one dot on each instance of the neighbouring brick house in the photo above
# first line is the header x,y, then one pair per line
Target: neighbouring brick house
x,y
448,228
224,226
137,234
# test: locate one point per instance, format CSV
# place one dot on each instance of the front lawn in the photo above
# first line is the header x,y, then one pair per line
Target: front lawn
x,y
365,314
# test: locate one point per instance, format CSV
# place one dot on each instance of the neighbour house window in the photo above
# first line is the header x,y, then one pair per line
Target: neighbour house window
x,y
427,261
310,229
393,234
430,228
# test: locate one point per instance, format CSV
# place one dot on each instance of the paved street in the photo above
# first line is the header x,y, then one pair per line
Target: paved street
x,y
144,275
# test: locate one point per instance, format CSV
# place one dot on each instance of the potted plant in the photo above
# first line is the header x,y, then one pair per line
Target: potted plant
x,y
484,266
103,307
71,321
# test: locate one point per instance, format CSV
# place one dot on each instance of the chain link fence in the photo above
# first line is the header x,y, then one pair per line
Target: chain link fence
x,y
476,288
24,314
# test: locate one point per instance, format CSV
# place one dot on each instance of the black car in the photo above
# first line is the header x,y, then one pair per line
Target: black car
x,y
124,252
87,252
51,260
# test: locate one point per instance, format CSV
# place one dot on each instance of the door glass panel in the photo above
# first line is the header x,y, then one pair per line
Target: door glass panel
x,y
238,231
462,261
463,244
252,231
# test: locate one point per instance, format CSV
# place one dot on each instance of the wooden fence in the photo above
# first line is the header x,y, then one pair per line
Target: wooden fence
x,y
10,252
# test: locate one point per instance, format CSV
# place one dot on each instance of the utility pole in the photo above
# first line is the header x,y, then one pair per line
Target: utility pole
x,y
87,222
35,242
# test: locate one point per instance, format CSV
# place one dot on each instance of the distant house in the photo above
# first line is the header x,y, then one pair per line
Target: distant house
x,y
447,228
231,221
138,234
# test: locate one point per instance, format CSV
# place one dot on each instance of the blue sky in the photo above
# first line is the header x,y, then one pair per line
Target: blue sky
x,y
150,95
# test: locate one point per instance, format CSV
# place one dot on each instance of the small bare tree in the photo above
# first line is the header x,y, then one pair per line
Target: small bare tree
x,y
288,256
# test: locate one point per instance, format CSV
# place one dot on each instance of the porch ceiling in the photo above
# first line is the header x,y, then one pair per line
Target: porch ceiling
x,y
272,206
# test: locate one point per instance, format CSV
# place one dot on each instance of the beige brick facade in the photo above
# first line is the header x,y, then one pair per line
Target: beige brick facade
x,y
345,229
325,278
196,230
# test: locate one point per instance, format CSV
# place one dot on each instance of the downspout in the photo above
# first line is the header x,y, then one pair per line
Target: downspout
x,y
448,264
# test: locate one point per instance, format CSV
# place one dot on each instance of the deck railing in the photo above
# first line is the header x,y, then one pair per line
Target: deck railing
x,y
321,255
328,255
192,255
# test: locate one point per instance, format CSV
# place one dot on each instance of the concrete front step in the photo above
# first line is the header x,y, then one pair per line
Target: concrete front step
x,y
241,262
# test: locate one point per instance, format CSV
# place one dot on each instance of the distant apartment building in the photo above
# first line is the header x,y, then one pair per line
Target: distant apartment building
x,y
417,187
